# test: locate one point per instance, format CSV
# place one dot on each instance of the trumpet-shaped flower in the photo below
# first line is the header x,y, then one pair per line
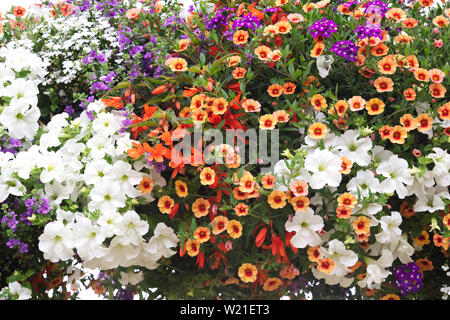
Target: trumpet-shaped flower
x,y
355,148
56,242
390,228
325,167
397,176
305,224
163,239
364,181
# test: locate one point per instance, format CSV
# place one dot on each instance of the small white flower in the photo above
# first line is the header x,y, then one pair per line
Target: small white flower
x,y
56,242
325,167
162,240
323,64
20,293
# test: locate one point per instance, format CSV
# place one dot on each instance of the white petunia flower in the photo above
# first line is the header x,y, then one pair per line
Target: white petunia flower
x,y
98,172
364,181
19,292
397,174
325,167
56,242
323,64
390,228
376,270
305,224
106,197
431,200
134,227
162,240
20,120
355,148
88,239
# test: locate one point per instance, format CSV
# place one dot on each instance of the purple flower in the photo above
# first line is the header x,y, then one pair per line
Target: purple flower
x,y
323,28
69,110
369,30
16,143
124,294
346,49
408,278
101,58
90,115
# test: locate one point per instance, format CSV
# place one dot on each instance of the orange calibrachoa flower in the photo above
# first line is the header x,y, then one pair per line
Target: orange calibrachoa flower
x,y
219,224
233,61
283,27
248,272
412,61
436,75
19,11
396,14
268,181
277,199
398,135
300,203
181,189
424,265
272,284
356,103
444,111
200,207
239,73
177,64
387,65
192,247
197,102
281,116
275,90
379,50
403,38
346,165
421,75
446,222
341,106
165,204
390,296
251,105
267,121
314,254
319,102
289,272
274,55
410,94
343,212
410,23
325,265
247,183
289,88
146,185
270,30
183,44
202,234
234,229
440,241
406,210
408,122
263,52
207,176
383,84
385,132
347,200
424,122
199,115
299,188
437,90
317,130
241,209
317,50
422,239
375,106
240,37
440,21
361,225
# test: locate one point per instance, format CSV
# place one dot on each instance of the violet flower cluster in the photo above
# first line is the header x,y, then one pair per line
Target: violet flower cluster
x,y
376,7
408,278
323,28
346,49
368,30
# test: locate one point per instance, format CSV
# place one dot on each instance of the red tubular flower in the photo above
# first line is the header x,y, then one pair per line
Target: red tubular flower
x,y
261,237
174,210
200,260
289,235
278,250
